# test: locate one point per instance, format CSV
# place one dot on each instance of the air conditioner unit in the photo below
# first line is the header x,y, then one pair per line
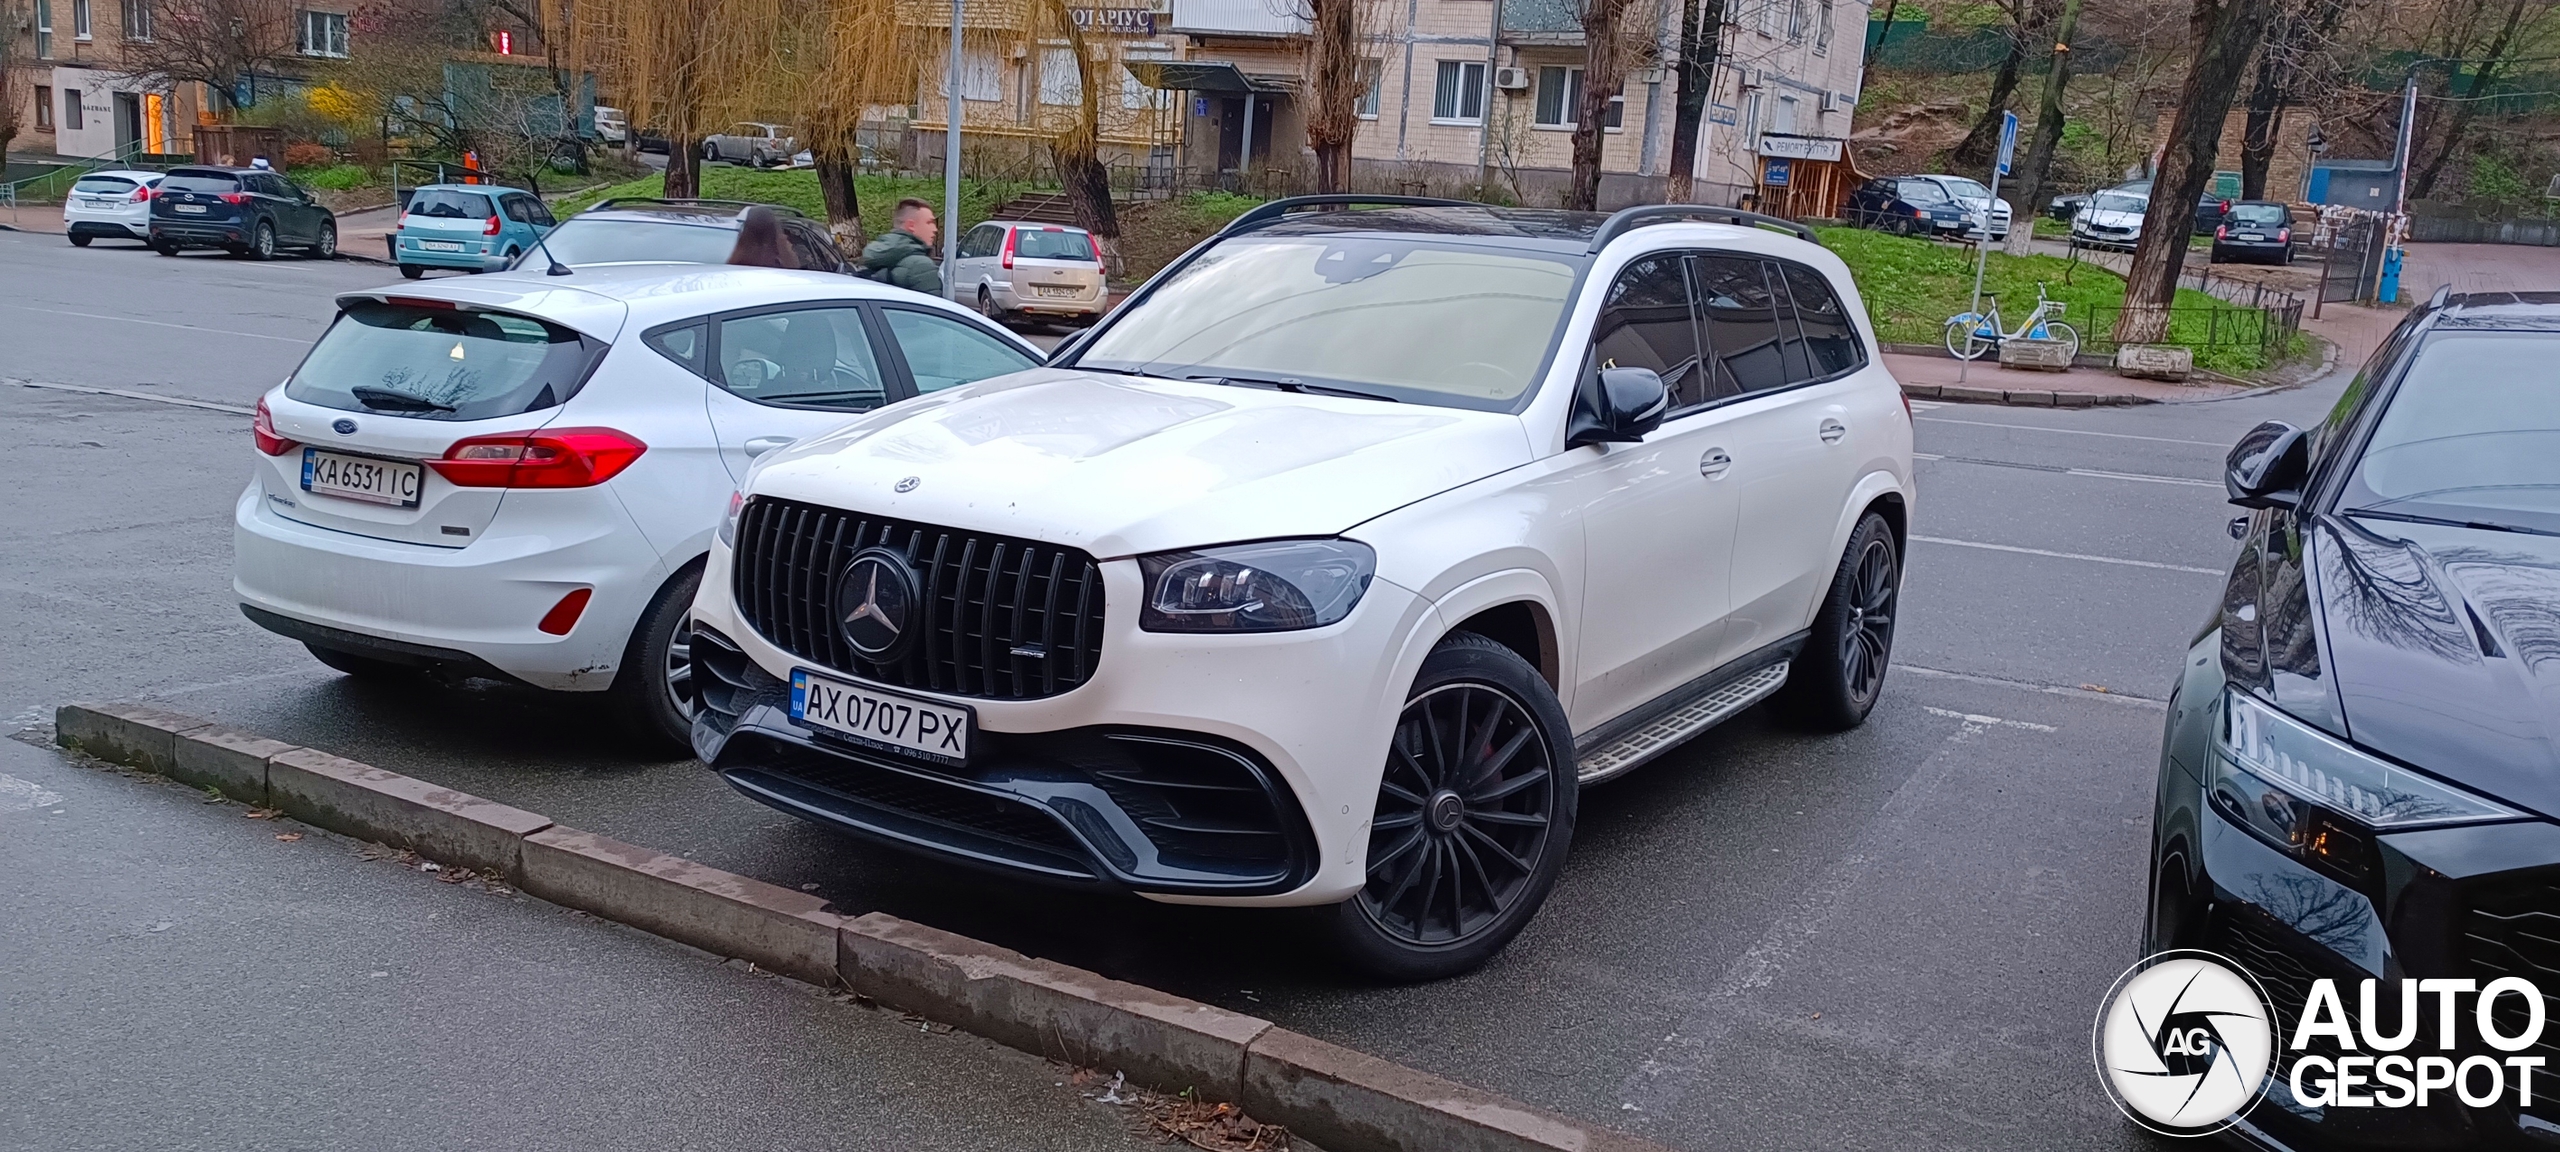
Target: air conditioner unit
x,y
1646,76
1835,101
1511,79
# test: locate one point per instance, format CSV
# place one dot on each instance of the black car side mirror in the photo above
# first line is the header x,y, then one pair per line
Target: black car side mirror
x,y
2266,469
1617,406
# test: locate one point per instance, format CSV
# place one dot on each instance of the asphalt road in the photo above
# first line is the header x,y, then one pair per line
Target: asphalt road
x,y
1893,938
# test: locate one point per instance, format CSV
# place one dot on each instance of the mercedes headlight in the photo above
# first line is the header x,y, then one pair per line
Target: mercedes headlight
x,y
1272,586
2318,798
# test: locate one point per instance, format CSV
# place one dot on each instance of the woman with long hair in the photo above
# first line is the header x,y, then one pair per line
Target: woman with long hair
x,y
760,242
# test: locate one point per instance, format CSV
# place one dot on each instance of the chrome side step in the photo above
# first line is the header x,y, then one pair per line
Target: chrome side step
x,y
1661,736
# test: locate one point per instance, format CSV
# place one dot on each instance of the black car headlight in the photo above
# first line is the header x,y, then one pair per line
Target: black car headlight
x,y
1271,586
2320,799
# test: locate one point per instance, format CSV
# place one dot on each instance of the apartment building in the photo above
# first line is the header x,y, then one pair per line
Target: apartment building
x,y
79,96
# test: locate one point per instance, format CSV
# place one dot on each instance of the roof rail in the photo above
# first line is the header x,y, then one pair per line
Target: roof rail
x,y
1276,209
1629,219
693,202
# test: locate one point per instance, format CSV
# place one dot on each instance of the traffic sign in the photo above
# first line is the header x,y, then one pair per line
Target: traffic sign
x,y
2008,140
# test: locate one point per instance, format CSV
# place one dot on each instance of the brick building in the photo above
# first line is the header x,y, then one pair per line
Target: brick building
x,y
75,93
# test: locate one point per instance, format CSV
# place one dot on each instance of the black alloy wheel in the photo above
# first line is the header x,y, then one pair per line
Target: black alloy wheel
x,y
1475,812
1839,676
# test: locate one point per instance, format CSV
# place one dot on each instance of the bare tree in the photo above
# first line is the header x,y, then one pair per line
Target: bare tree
x,y
1606,37
1701,43
218,43
1333,115
2224,33
2047,134
1077,150
2027,19
2483,75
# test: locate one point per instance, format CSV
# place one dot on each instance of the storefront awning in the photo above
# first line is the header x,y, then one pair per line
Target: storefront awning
x,y
1207,76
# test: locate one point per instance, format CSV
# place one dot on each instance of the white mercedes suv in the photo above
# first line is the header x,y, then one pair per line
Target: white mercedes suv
x,y
1329,568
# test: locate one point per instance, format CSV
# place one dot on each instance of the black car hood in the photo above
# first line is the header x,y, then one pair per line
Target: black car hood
x,y
2444,646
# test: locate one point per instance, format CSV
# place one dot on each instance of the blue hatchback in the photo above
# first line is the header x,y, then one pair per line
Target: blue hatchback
x,y
462,225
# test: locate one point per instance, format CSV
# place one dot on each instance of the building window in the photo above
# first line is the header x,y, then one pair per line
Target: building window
x,y
981,77
137,19
322,34
44,29
1822,30
1060,81
1795,20
71,121
1560,100
79,19
1373,74
44,108
1459,95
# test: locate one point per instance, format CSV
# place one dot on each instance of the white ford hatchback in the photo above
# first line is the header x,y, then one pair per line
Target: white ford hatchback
x,y
1331,566
518,475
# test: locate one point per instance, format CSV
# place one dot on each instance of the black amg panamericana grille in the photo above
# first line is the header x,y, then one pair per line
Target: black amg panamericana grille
x,y
1007,619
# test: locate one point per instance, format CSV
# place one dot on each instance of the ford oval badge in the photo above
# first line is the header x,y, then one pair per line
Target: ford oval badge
x,y
909,484
344,427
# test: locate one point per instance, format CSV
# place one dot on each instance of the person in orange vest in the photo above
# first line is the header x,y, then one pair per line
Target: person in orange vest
x,y
471,167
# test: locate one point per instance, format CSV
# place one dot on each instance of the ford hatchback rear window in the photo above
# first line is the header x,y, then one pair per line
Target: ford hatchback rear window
x,y
1041,244
442,363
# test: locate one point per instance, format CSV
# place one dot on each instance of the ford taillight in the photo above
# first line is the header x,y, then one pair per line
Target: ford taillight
x,y
1009,234
141,194
262,430
552,458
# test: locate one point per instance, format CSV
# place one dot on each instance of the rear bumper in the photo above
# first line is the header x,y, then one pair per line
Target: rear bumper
x,y
426,605
189,232
103,225
407,250
1014,299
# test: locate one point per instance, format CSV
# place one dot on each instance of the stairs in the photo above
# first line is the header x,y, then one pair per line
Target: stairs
x,y
1038,208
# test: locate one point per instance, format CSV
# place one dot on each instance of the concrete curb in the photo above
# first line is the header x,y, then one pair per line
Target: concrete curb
x,y
2022,398
1344,1100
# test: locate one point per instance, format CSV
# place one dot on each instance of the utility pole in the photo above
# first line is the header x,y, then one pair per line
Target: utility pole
x,y
951,161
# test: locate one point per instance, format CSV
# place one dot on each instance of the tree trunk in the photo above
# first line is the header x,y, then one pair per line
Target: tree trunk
x,y
684,166
836,169
1603,72
1701,40
2265,122
1333,117
1077,153
2029,200
1867,67
2467,110
1980,144
2224,33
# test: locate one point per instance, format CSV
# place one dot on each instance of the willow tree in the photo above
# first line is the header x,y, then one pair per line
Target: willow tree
x,y
672,64
1076,146
850,57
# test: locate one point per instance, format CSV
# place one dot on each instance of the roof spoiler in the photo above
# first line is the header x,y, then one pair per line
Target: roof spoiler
x,y
1267,213
1630,219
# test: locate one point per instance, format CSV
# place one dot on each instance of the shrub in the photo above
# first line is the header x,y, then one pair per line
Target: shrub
x,y
307,154
336,177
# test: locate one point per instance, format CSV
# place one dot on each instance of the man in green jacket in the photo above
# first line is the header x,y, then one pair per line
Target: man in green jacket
x,y
904,256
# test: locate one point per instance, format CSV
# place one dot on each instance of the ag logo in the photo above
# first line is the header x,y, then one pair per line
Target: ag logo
x,y
2183,1043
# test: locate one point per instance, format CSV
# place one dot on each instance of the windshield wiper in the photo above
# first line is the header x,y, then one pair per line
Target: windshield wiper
x,y
1294,385
372,397
2414,518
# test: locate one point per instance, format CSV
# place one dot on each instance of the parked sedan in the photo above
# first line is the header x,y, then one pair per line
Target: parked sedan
x,y
2361,767
113,204
463,225
516,476
2112,219
1018,270
245,211
751,143
1908,205
2256,230
1979,204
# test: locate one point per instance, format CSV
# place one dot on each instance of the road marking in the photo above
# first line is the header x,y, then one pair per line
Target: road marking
x,y
2145,477
2032,686
2072,556
1978,720
2069,431
181,401
1924,405
158,323
20,795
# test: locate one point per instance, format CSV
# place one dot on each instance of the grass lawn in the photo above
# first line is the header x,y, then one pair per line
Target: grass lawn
x,y
798,188
1156,233
1913,286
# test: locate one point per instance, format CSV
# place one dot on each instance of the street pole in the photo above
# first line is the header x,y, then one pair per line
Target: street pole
x,y
1982,249
951,160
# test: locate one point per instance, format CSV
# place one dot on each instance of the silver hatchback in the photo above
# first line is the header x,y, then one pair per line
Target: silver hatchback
x,y
1021,270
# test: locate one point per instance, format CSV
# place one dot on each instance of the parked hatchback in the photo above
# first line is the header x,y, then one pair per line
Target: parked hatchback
x,y
2255,230
516,476
1018,270
115,205
248,212
463,225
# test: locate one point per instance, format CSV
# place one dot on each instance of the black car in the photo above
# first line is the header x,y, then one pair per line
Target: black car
x,y
2361,773
248,212
633,230
1906,205
2257,230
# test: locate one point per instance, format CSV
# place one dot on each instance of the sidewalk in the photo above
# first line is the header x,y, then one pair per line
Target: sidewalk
x,y
1985,382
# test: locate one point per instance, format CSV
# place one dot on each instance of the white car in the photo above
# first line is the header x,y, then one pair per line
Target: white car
x,y
517,475
1330,567
116,205
1017,270
1974,198
612,126
752,143
2111,219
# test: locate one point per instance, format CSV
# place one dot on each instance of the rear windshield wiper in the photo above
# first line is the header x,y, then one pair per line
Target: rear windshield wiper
x,y
372,397
2414,518
1293,384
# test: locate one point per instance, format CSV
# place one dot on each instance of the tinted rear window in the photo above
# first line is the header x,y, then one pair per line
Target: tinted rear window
x,y
1042,244
588,240
205,183
2271,215
103,185
448,205
442,363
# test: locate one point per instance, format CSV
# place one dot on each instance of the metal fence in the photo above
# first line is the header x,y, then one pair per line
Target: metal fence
x,y
2269,329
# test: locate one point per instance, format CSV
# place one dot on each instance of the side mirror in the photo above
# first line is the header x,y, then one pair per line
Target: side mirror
x,y
1617,406
1068,347
2267,467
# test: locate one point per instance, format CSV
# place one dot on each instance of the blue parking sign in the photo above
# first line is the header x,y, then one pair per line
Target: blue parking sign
x,y
2008,140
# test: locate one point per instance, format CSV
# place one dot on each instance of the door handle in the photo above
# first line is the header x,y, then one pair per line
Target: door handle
x,y
1713,464
1833,430
763,444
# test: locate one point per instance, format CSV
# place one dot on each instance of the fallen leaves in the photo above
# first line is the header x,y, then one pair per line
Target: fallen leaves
x,y
263,813
1216,1127
288,837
